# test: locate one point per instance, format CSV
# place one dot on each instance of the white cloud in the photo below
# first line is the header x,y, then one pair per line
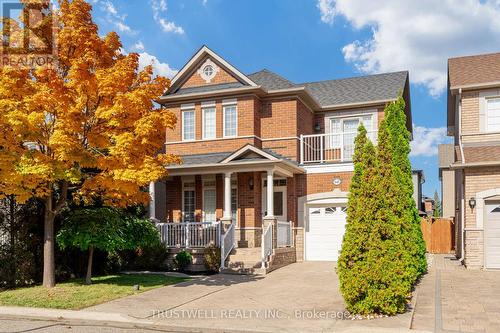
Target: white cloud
x,y
114,17
416,35
159,68
138,46
204,2
426,140
327,10
159,8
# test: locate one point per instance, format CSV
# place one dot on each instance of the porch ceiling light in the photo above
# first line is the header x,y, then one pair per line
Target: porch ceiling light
x,y
472,202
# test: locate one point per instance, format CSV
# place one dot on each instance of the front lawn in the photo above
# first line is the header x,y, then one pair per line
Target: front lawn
x,y
75,295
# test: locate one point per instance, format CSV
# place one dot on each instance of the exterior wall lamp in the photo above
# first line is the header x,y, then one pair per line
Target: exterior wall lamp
x,y
250,183
472,202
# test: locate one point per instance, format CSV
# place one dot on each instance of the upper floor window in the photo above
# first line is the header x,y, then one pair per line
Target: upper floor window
x,y
343,132
208,122
493,115
230,120
188,125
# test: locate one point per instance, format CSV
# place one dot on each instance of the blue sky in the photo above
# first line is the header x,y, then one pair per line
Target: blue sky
x,y
311,40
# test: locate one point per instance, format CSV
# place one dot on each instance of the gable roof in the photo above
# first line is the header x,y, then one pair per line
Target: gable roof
x,y
362,90
201,54
474,70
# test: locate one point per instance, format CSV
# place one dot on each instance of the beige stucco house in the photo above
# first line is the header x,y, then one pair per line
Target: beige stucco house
x,y
474,122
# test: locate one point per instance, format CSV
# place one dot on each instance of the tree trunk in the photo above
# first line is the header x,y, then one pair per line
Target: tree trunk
x,y
88,278
51,210
12,232
49,276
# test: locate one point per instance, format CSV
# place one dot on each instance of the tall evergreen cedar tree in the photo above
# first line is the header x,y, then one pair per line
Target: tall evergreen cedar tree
x,y
82,128
383,253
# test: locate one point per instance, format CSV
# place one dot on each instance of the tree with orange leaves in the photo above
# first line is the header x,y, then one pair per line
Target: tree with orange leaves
x,y
86,122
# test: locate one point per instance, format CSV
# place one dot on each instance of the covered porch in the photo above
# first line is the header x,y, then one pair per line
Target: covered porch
x,y
244,199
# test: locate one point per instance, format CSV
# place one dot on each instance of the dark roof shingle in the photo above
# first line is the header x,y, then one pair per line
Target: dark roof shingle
x,y
210,158
270,81
360,89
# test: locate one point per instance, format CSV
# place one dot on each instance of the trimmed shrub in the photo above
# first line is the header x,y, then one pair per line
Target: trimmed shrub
x,y
183,259
211,256
383,253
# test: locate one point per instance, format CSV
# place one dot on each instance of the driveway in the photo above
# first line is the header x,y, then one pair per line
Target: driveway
x,y
296,298
451,298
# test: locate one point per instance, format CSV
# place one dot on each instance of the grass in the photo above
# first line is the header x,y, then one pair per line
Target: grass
x,y
75,295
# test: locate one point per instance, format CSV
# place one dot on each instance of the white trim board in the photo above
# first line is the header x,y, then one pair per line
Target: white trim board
x,y
328,168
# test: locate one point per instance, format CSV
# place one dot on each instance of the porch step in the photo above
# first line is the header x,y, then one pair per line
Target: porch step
x,y
244,271
244,261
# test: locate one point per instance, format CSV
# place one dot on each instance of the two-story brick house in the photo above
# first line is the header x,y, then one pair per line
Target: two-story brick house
x,y
474,122
258,149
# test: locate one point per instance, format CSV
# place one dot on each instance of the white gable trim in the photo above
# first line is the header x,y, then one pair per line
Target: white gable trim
x,y
200,54
245,149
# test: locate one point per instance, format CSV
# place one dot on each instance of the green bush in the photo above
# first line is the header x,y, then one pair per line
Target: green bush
x,y
211,256
183,259
150,258
383,253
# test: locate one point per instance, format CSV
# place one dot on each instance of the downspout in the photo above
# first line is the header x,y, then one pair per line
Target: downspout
x,y
462,199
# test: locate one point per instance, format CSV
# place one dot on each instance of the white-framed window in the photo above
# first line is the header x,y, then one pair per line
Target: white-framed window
x,y
493,114
230,121
234,203
209,127
188,201
343,132
188,125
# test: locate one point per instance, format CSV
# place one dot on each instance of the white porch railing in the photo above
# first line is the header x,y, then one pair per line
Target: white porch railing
x,y
267,244
285,236
329,147
190,234
227,243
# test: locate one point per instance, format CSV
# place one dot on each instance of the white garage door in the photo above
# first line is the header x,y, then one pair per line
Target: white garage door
x,y
325,232
492,235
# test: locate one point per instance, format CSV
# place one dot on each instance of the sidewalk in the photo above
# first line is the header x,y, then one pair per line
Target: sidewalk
x,y
46,320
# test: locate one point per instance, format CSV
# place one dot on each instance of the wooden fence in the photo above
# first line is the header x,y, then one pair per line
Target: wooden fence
x,y
439,234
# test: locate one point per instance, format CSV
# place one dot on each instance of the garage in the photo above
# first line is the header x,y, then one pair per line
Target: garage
x,y
326,227
492,235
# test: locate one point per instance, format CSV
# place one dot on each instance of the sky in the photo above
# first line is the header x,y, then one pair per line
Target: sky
x,y
312,40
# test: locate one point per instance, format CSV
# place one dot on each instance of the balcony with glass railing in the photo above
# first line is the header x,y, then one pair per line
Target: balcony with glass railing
x,y
329,147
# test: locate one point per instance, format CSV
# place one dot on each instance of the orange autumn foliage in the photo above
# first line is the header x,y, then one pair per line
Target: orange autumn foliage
x,y
88,121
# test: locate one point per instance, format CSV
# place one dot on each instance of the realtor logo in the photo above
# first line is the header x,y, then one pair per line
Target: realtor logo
x,y
28,33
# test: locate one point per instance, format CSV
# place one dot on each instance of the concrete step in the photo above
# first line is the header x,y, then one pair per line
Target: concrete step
x,y
244,271
247,250
244,264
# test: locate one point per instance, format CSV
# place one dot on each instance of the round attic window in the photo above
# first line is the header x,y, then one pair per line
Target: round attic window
x,y
208,70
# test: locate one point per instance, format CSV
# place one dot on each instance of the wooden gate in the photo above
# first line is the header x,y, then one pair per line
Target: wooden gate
x,y
439,234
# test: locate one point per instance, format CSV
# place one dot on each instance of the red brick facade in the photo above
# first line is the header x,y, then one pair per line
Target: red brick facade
x,y
268,122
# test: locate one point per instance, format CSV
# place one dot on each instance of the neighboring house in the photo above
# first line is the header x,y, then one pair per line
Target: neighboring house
x,y
428,205
260,150
446,157
418,179
474,122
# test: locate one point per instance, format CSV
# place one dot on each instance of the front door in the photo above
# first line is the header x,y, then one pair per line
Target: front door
x,y
279,199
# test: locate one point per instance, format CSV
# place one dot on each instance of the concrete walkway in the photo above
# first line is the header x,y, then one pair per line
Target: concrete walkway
x,y
451,298
297,298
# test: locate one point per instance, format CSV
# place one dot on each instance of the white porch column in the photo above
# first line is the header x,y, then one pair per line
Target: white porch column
x,y
270,193
227,195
